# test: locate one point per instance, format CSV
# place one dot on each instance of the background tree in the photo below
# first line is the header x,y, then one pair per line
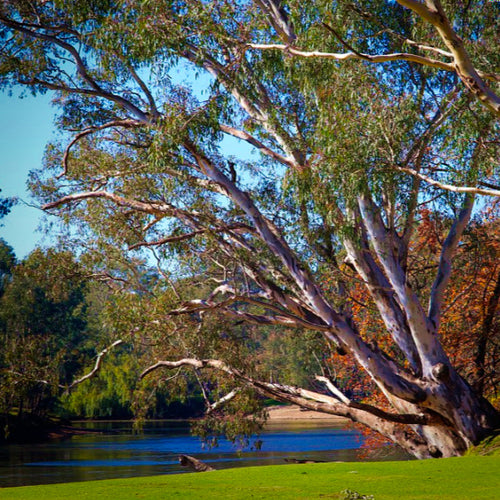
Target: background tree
x,y
48,336
7,263
351,154
5,206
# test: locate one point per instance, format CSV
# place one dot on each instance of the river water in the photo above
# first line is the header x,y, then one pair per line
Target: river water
x,y
118,452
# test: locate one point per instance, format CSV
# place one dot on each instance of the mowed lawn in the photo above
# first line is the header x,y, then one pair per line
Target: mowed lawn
x,y
467,478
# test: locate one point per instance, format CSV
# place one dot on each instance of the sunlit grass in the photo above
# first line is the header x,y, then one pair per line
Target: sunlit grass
x,y
468,478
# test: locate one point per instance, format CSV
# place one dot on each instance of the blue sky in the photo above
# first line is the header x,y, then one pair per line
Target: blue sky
x,y
26,125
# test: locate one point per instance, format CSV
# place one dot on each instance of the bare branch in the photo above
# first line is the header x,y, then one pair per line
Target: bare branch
x,y
97,365
449,187
373,18
281,317
150,207
278,18
334,390
345,56
241,134
228,397
188,236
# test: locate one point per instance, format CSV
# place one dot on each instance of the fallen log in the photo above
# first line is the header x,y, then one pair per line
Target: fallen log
x,y
194,463
304,461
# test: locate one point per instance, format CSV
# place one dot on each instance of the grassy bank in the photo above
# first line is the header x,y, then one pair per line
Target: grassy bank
x,y
467,478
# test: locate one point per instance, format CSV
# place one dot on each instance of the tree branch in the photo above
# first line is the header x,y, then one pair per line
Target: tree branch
x,y
97,366
449,187
424,334
345,56
91,130
334,390
279,20
340,332
434,13
444,270
228,397
96,89
380,289
280,318
259,108
245,136
146,91
383,422
188,236
150,207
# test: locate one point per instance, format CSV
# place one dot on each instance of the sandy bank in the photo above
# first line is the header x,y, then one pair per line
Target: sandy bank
x,y
296,414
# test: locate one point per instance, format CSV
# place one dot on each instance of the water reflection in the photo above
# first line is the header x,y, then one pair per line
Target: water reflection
x,y
121,453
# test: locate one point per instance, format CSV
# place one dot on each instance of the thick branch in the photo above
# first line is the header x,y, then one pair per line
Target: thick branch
x,y
383,422
390,311
340,331
334,390
447,252
424,335
278,19
433,12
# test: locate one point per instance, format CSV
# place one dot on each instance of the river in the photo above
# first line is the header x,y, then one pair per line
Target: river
x,y
118,452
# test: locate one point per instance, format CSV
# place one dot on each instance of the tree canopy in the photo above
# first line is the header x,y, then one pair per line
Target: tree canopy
x,y
284,182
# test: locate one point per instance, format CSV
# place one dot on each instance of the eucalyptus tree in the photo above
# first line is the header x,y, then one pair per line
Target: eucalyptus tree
x,y
357,117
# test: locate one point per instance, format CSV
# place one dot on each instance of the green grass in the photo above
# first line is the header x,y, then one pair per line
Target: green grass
x,y
489,447
467,478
